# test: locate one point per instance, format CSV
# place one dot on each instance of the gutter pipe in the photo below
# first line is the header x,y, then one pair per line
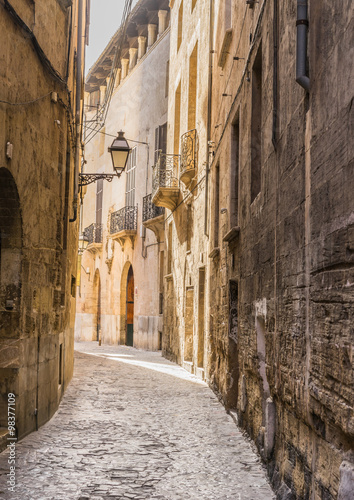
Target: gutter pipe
x,y
78,109
301,44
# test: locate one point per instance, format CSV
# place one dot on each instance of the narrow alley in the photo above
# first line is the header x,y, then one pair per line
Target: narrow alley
x,y
133,425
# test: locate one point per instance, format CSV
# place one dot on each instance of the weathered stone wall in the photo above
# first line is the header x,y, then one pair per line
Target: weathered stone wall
x,y
138,107
291,254
185,334
38,243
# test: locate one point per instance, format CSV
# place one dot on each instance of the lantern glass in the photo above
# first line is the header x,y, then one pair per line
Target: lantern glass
x,y
119,150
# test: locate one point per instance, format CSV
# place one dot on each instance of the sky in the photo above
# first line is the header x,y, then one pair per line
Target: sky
x,y
106,16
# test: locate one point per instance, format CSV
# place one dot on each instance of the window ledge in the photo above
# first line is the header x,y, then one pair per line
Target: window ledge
x,y
214,253
231,235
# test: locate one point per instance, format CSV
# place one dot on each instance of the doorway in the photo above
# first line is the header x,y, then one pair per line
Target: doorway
x,y
130,308
97,303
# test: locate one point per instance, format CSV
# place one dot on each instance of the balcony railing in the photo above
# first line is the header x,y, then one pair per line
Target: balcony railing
x,y
165,184
93,233
165,171
124,219
189,147
151,211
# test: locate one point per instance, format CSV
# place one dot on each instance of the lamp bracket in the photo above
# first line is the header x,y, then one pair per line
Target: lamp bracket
x,y
85,179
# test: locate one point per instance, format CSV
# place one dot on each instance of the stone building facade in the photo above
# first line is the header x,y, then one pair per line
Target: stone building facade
x,y
120,292
184,192
40,140
282,237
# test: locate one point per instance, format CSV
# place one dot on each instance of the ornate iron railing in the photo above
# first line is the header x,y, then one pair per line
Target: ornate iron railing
x,y
93,233
189,143
124,219
165,171
150,211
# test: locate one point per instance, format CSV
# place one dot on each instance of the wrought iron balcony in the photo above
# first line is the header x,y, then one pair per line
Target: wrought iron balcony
x,y
123,224
93,234
151,211
165,185
153,216
189,148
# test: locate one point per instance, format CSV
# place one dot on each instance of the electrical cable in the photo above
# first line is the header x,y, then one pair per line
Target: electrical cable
x,y
27,102
43,58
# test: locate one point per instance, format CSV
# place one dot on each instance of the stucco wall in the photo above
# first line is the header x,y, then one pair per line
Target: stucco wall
x,y
138,106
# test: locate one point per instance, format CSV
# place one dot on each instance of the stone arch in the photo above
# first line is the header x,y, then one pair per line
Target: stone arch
x,y
96,305
123,302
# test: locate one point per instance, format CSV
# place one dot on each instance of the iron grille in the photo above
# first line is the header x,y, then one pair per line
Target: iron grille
x,y
124,219
93,233
188,151
150,211
165,171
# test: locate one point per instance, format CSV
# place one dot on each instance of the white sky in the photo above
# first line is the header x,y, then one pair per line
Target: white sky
x,y
106,17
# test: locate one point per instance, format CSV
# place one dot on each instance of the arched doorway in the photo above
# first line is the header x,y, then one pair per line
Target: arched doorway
x,y
97,306
130,308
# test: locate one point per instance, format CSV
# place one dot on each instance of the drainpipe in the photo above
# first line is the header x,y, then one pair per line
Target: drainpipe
x,y
301,44
78,108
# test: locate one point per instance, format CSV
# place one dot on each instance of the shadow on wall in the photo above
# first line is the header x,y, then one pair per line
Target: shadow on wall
x,y
10,287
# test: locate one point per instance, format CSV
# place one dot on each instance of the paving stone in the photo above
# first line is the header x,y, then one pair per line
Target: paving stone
x,y
133,425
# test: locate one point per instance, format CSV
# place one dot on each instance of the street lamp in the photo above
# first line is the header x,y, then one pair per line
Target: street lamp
x,y
83,243
119,150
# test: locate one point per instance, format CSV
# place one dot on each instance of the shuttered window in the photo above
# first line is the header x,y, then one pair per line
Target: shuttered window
x,y
130,186
99,198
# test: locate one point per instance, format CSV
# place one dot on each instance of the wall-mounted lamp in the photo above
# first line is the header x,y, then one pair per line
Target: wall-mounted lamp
x,y
83,243
119,150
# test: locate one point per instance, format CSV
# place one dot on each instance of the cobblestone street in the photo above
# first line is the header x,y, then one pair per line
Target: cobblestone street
x,y
135,426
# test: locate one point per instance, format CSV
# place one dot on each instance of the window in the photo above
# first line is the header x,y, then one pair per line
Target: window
x,y
216,206
234,172
180,26
177,120
99,199
189,227
256,126
160,139
192,90
169,254
130,184
167,82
